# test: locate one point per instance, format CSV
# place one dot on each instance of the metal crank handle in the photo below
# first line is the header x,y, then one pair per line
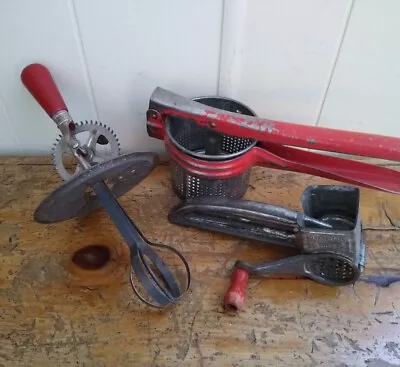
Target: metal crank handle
x,y
334,168
164,103
325,268
163,295
293,265
40,83
235,296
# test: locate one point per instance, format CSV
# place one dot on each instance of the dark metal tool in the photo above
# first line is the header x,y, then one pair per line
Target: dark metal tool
x,y
328,234
99,184
246,140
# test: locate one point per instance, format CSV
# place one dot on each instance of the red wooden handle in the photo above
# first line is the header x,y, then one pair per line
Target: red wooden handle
x,y
39,82
236,293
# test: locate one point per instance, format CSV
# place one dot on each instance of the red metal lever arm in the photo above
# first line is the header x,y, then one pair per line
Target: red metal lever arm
x,y
335,168
303,136
39,82
164,103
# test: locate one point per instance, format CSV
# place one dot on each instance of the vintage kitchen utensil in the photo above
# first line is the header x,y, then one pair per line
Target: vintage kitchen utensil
x,y
324,268
205,144
198,171
97,182
95,137
328,234
96,141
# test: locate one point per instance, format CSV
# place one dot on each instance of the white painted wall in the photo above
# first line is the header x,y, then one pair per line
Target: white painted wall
x,y
331,63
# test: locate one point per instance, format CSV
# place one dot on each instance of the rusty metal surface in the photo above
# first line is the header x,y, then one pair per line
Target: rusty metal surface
x,y
72,199
329,231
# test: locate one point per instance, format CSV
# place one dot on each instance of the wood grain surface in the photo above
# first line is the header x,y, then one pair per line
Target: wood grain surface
x,y
55,314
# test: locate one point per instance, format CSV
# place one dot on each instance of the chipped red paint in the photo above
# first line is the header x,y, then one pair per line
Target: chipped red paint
x,y
236,294
297,135
272,151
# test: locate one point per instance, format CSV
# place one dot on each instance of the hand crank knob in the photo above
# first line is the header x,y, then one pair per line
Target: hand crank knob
x,y
39,82
236,293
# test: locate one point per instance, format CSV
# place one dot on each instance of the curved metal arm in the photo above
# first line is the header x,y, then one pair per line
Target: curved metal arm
x,y
249,219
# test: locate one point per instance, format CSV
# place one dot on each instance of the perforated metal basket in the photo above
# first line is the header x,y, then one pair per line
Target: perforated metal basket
x,y
187,185
206,145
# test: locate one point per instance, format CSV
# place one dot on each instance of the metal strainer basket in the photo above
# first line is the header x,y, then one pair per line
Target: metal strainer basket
x,y
205,145
187,185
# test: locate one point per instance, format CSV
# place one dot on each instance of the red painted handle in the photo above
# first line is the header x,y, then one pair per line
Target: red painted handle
x,y
283,133
236,293
39,82
334,168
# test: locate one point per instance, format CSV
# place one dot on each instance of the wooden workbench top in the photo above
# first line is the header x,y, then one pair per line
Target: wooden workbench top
x,y
54,314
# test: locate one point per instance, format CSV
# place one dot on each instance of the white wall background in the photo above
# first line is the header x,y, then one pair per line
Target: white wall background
x,y
320,62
